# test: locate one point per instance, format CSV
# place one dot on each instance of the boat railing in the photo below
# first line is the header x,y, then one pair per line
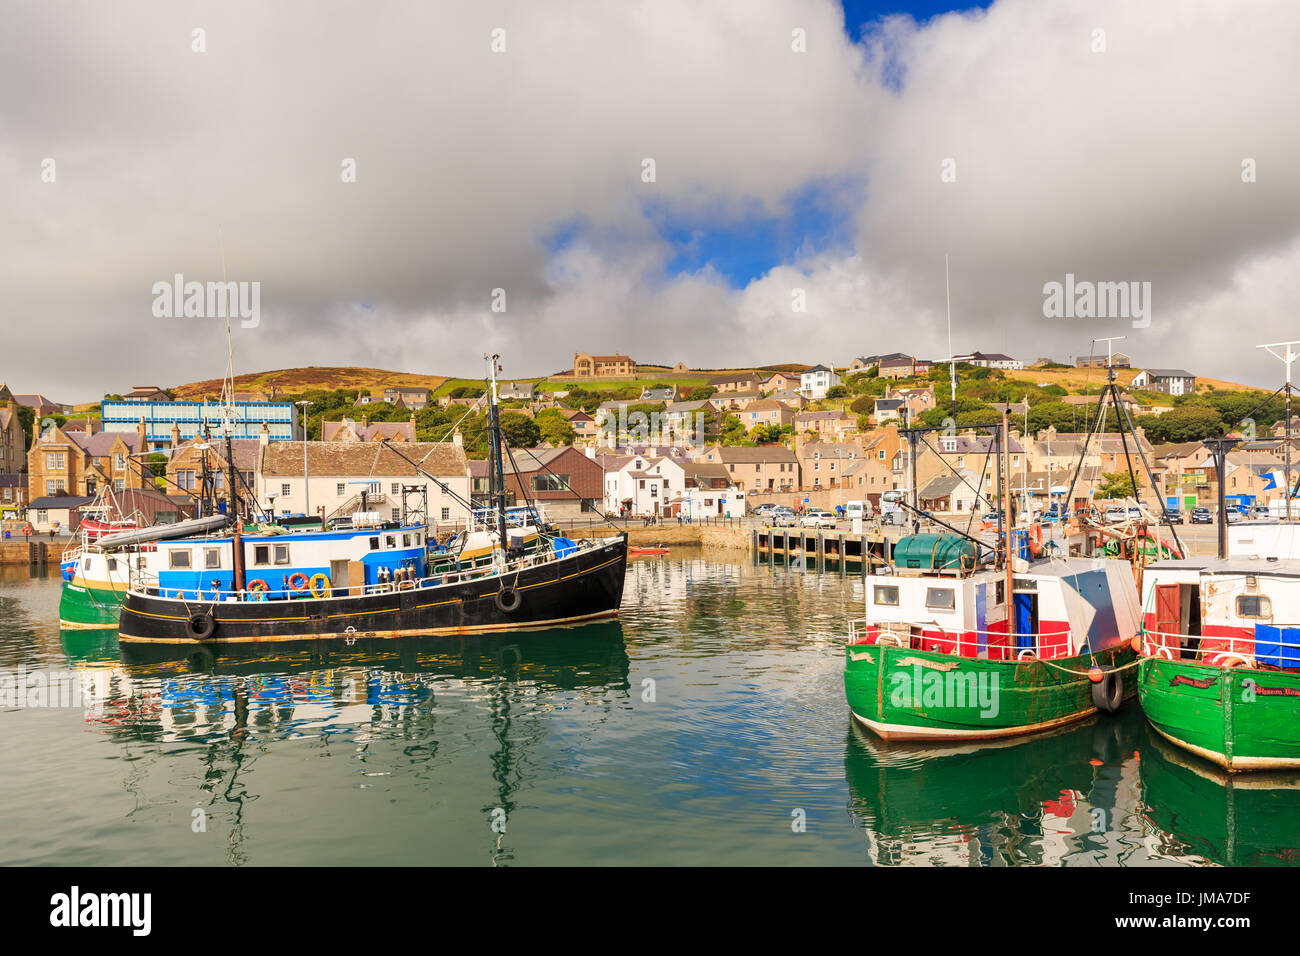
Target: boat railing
x,y
901,634
1224,650
148,583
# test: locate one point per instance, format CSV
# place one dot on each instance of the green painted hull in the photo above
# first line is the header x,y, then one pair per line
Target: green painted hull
x,y
1238,718
902,694
81,606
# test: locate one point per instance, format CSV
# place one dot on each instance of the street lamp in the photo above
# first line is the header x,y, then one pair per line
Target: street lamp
x,y
306,484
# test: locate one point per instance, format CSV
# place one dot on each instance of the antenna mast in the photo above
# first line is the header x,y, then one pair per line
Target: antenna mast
x,y
1288,358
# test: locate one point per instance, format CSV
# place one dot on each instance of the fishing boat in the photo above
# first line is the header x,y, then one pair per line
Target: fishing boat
x,y
376,579
963,639
1220,668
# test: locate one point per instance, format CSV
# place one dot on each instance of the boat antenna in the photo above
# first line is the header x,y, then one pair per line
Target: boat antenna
x,y
496,473
1288,358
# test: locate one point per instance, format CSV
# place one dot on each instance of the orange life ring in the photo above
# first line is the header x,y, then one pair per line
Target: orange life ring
x,y
297,576
1035,539
257,585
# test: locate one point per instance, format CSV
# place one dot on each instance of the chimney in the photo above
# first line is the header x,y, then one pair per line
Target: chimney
x,y
140,433
457,439
176,435
264,438
590,451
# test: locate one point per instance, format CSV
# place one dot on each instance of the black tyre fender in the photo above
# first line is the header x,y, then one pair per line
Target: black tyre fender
x,y
1108,693
508,598
200,626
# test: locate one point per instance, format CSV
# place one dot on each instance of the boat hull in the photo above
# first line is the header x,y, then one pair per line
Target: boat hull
x,y
585,586
86,605
904,694
1238,718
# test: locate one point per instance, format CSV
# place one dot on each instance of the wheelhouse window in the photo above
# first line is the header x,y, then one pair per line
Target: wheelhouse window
x,y
211,558
178,558
262,554
374,544
886,596
941,598
281,554
1254,606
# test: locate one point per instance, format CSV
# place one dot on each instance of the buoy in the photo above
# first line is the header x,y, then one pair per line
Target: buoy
x,y
1095,674
1136,643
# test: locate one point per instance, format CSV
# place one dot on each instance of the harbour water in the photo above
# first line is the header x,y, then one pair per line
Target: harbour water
x,y
707,726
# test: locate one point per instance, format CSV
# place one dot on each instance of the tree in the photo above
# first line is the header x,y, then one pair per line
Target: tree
x,y
837,391
554,428
699,393
1184,423
1116,484
519,431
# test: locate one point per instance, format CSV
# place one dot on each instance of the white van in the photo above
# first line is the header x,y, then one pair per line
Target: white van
x,y
857,509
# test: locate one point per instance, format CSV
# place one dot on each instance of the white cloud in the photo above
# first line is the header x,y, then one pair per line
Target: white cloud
x,y
1116,165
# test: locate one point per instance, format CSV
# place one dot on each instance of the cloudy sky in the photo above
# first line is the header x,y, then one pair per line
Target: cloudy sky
x,y
803,150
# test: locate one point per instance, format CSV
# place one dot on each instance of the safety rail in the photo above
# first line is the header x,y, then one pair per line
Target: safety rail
x,y
307,592
1224,650
895,632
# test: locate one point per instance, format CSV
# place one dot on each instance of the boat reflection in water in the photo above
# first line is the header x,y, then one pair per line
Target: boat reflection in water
x,y
419,704
1031,801
1193,807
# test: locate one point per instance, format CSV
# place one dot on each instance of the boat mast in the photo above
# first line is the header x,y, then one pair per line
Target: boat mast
x,y
1005,506
496,473
237,541
1288,357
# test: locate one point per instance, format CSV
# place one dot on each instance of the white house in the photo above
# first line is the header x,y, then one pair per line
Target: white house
x,y
643,484
338,473
1171,381
815,382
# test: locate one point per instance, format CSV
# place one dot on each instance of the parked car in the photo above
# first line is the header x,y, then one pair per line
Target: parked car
x,y
817,519
1116,515
1173,516
1232,515
1202,516
766,509
783,518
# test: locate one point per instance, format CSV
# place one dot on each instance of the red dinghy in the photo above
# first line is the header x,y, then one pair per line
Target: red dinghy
x,y
636,550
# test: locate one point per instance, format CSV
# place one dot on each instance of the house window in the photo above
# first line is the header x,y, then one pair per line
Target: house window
x,y
397,514
940,598
178,558
446,514
1255,606
886,596
119,484
211,558
284,488
397,489
374,487
119,461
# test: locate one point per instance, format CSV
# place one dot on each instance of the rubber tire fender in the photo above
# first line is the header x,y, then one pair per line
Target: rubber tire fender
x,y
508,599
200,626
1108,693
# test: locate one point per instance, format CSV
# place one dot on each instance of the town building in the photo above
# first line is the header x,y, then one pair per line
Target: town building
x,y
865,363
759,468
1118,360
824,464
413,397
192,459
827,425
737,382
1170,381
517,391
13,440
63,464
994,360
568,481
602,366
192,418
365,430
781,382
817,381
766,411
338,473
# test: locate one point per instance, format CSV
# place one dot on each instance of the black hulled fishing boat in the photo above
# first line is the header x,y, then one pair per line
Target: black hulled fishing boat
x,y
507,572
